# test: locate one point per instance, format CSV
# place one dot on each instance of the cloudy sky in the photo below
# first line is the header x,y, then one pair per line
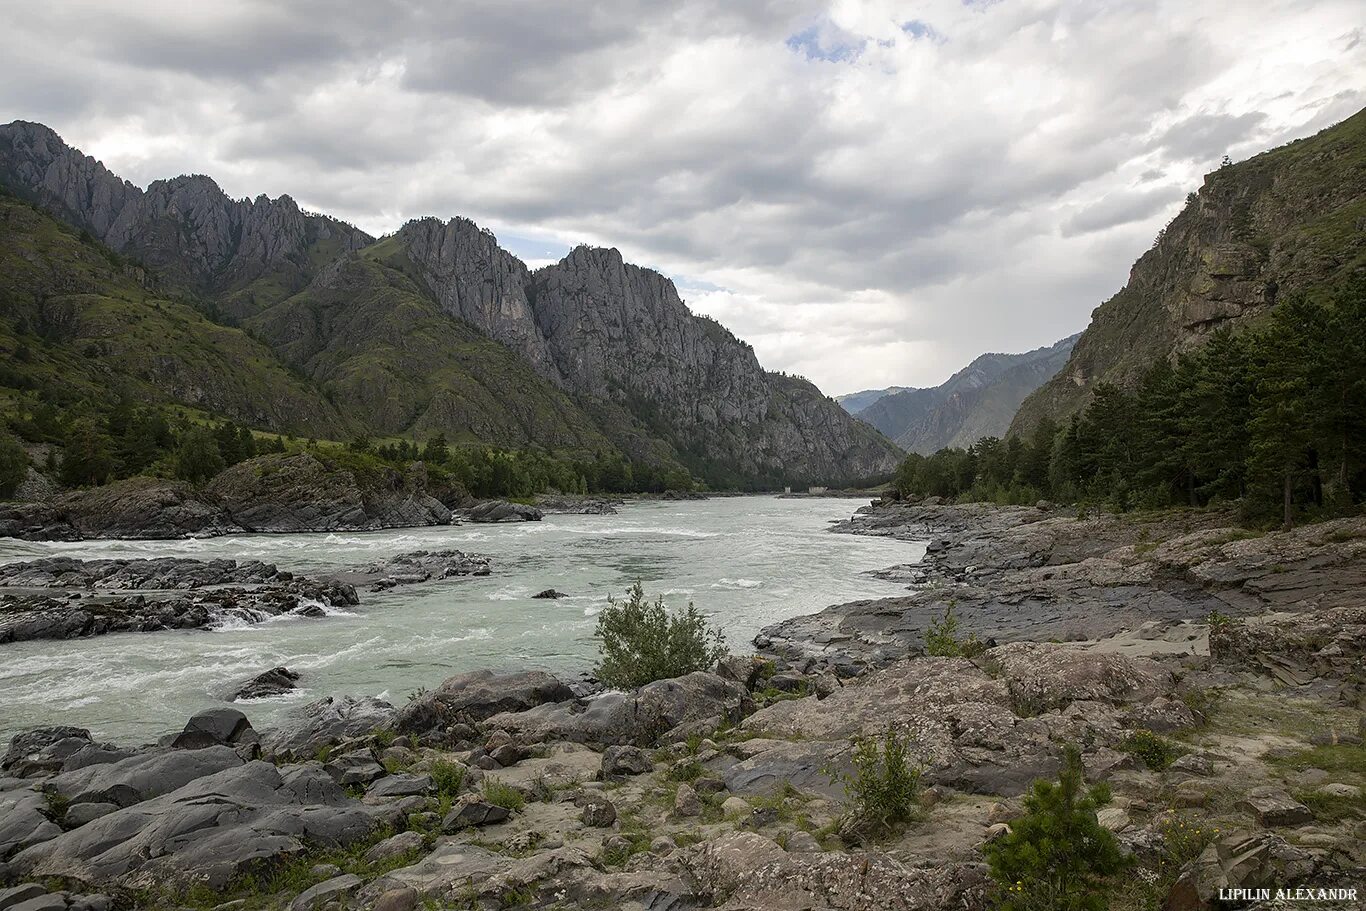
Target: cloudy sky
x,y
871,192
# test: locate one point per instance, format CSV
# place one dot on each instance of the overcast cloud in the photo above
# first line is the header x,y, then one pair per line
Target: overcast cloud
x,y
871,193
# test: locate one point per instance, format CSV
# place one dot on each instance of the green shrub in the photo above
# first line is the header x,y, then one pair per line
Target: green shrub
x,y
1056,855
1157,753
884,790
503,795
941,639
447,777
641,642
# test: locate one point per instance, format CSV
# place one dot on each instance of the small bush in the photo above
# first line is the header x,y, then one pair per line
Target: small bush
x,y
1056,855
447,777
941,639
1155,752
503,795
884,789
641,642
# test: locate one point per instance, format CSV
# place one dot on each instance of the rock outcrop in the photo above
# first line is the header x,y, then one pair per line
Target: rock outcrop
x,y
276,493
95,597
1285,221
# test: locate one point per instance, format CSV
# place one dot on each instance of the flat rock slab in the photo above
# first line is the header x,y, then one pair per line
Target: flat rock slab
x,y
1275,808
208,831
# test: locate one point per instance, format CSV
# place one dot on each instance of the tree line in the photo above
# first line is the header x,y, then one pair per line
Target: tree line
x,y
1273,417
87,448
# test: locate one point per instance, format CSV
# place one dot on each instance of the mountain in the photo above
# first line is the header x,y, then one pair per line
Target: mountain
x,y
437,329
81,324
854,402
977,401
1287,221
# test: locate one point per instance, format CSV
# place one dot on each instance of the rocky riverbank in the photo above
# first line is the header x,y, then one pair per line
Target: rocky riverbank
x,y
65,598
279,493
1041,574
715,790
1235,759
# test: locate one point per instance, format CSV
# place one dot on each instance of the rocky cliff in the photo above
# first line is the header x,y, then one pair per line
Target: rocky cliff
x,y
618,336
977,401
186,229
1287,221
595,352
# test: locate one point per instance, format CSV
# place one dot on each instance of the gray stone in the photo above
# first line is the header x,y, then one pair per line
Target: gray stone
x,y
475,696
598,812
401,786
686,801
329,721
215,726
209,830
621,761
1273,807
24,821
472,810
142,776
402,899
21,893
356,767
325,892
394,846
78,814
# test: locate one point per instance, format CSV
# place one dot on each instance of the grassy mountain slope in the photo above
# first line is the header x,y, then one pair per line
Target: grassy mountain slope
x,y
78,322
386,354
1285,221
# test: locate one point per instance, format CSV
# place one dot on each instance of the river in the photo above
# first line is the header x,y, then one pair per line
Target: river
x,y
746,562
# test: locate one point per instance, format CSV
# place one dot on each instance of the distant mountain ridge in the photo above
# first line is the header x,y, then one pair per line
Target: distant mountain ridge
x,y
398,334
978,401
854,402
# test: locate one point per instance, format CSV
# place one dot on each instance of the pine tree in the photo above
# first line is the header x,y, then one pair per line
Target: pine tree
x,y
1057,853
1281,427
198,458
13,464
86,458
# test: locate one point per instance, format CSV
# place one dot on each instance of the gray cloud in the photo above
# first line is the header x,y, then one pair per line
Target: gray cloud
x,y
879,194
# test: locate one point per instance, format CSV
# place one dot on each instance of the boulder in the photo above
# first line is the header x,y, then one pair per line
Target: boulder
x,y
208,831
326,892
274,682
475,696
43,749
394,846
686,801
653,713
215,727
142,776
357,767
550,594
329,721
621,761
1274,807
24,821
598,812
1239,861
503,511
401,786
78,814
473,810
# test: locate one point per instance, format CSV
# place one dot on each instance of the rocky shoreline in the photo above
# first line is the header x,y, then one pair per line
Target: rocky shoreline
x,y
721,789
65,598
1041,574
